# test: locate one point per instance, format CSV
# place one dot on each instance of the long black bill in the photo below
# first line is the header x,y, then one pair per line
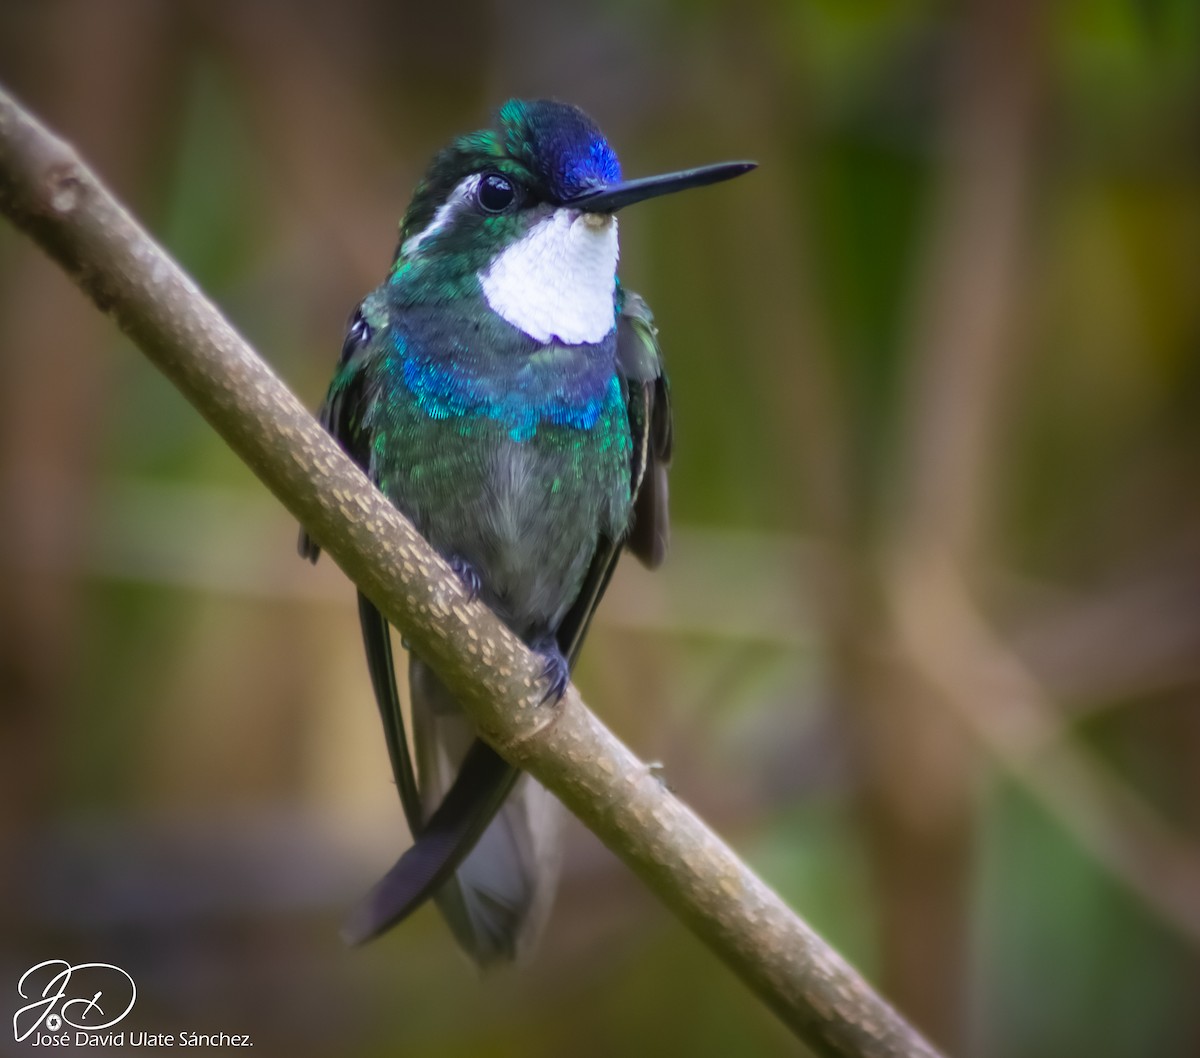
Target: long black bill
x,y
618,196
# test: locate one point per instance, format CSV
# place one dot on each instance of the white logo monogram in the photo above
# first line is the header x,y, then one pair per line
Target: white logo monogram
x,y
86,996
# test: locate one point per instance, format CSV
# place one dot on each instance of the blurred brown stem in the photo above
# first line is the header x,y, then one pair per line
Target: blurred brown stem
x,y
46,191
91,74
918,769
1000,704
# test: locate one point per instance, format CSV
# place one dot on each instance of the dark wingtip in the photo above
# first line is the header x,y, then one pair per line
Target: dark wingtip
x,y
353,932
363,925
483,782
411,881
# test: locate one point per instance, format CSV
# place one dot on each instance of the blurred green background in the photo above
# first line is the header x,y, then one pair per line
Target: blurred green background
x,y
926,651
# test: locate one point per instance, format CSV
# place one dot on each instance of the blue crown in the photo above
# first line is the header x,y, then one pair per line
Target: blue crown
x,y
560,145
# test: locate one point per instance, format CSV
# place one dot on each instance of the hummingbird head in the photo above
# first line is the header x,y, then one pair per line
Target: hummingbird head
x,y
523,212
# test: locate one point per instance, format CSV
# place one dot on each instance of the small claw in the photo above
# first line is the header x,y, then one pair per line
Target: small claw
x,y
469,576
556,672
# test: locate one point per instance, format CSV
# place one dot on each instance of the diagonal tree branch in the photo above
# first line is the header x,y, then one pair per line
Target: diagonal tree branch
x,y
47,192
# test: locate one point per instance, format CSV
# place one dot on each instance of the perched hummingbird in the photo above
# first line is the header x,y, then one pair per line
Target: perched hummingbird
x,y
506,393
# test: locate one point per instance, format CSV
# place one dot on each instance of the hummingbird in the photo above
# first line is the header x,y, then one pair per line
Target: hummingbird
x,y
506,393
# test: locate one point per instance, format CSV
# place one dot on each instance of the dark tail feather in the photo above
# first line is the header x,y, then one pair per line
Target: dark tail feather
x,y
488,906
377,640
505,855
451,833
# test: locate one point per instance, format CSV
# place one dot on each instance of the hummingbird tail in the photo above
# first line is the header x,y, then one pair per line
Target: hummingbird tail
x,y
439,847
498,900
489,855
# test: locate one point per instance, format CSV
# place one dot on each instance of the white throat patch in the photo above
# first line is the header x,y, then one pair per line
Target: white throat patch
x,y
558,282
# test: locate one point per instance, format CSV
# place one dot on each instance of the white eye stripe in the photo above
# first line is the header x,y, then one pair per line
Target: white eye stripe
x,y
460,196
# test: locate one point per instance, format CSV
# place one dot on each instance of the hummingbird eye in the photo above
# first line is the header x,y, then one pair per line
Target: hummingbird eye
x,y
495,193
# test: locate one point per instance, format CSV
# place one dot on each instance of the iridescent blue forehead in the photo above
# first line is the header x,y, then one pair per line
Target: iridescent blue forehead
x,y
560,144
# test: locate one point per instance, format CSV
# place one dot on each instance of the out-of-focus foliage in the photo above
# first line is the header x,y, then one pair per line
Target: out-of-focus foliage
x,y
952,322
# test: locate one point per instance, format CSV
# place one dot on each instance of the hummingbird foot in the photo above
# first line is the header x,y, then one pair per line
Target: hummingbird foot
x,y
468,574
556,672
